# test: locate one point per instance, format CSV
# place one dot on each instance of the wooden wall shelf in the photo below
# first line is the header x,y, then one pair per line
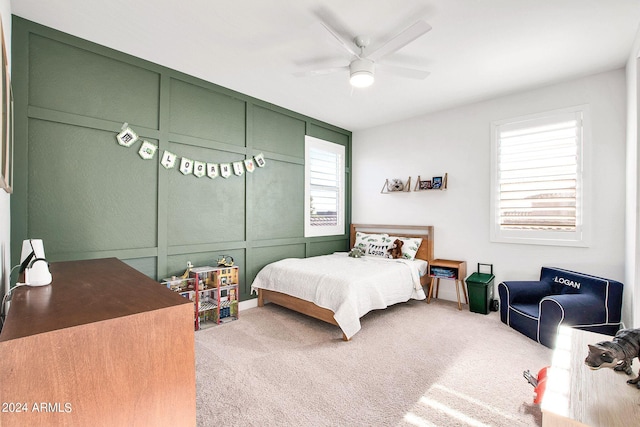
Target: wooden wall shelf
x,y
435,183
399,185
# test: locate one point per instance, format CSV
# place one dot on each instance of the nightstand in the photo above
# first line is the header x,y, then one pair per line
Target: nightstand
x,y
451,270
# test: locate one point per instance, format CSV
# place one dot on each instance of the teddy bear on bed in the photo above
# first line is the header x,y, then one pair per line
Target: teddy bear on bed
x,y
395,252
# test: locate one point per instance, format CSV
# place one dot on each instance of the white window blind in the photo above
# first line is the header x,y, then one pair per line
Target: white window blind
x,y
539,178
324,198
325,187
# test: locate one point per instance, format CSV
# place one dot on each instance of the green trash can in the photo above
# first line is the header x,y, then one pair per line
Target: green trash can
x,y
480,288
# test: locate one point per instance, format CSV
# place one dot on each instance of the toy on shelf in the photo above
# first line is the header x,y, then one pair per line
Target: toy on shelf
x,y
396,185
179,284
186,272
225,261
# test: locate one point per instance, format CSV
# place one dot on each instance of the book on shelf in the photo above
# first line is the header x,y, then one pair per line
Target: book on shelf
x,y
446,273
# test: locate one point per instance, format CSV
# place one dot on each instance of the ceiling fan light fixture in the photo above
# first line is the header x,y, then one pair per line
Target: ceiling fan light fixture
x,y
361,73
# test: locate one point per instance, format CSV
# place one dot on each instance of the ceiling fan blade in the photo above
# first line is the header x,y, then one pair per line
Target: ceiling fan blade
x,y
342,42
320,72
411,73
338,30
401,40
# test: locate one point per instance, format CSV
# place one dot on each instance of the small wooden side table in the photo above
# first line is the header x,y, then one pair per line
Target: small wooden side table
x,y
457,270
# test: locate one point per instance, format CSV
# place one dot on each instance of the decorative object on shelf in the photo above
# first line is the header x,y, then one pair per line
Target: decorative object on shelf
x,y
179,284
423,185
187,271
396,185
225,261
127,137
435,183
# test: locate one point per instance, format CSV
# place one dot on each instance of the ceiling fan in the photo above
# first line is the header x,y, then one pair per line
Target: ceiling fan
x,y
364,63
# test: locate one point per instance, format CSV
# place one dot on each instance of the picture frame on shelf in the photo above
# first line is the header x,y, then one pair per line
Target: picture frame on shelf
x,y
436,182
425,185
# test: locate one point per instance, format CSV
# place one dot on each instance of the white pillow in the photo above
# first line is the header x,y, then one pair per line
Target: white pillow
x,y
410,246
379,247
364,239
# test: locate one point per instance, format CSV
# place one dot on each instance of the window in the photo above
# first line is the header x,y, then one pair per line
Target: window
x,y
324,187
537,179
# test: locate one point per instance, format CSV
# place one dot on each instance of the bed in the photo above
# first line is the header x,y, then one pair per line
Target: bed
x,y
339,289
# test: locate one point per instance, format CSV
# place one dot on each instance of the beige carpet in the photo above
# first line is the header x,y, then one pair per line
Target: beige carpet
x,y
414,364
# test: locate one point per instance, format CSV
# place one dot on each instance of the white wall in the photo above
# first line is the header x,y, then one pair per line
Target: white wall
x,y
632,264
457,141
5,224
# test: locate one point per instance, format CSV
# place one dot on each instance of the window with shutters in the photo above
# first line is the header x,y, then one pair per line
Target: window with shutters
x,y
324,187
538,179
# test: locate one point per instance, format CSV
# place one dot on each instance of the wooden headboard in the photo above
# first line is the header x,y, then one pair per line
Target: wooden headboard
x,y
425,251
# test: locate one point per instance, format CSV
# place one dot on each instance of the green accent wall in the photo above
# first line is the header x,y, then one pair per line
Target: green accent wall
x,y
88,197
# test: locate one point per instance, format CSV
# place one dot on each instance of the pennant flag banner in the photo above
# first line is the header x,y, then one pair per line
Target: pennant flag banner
x,y
127,137
147,150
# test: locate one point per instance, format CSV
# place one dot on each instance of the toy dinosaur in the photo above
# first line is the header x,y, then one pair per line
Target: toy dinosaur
x,y
617,353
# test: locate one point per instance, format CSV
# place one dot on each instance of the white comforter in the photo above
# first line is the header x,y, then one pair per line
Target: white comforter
x,y
350,287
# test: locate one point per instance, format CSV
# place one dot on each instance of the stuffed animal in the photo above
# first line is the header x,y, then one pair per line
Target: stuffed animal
x,y
617,353
395,185
396,251
356,253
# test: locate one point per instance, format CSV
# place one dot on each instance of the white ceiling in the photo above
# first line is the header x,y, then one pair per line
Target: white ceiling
x,y
477,49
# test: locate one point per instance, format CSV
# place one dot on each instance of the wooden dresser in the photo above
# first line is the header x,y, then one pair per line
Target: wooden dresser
x,y
103,345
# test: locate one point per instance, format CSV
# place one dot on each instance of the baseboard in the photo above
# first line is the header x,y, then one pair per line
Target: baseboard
x,y
250,303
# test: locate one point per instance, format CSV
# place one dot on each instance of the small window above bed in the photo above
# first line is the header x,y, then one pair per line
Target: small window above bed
x,y
324,188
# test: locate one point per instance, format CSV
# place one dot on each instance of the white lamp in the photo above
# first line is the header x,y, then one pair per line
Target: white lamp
x,y
34,264
362,71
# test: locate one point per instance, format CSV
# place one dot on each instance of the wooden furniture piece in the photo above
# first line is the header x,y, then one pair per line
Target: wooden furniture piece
x,y
425,252
575,395
102,345
458,270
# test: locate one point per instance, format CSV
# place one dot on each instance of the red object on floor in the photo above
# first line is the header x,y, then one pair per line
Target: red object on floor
x,y
542,385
